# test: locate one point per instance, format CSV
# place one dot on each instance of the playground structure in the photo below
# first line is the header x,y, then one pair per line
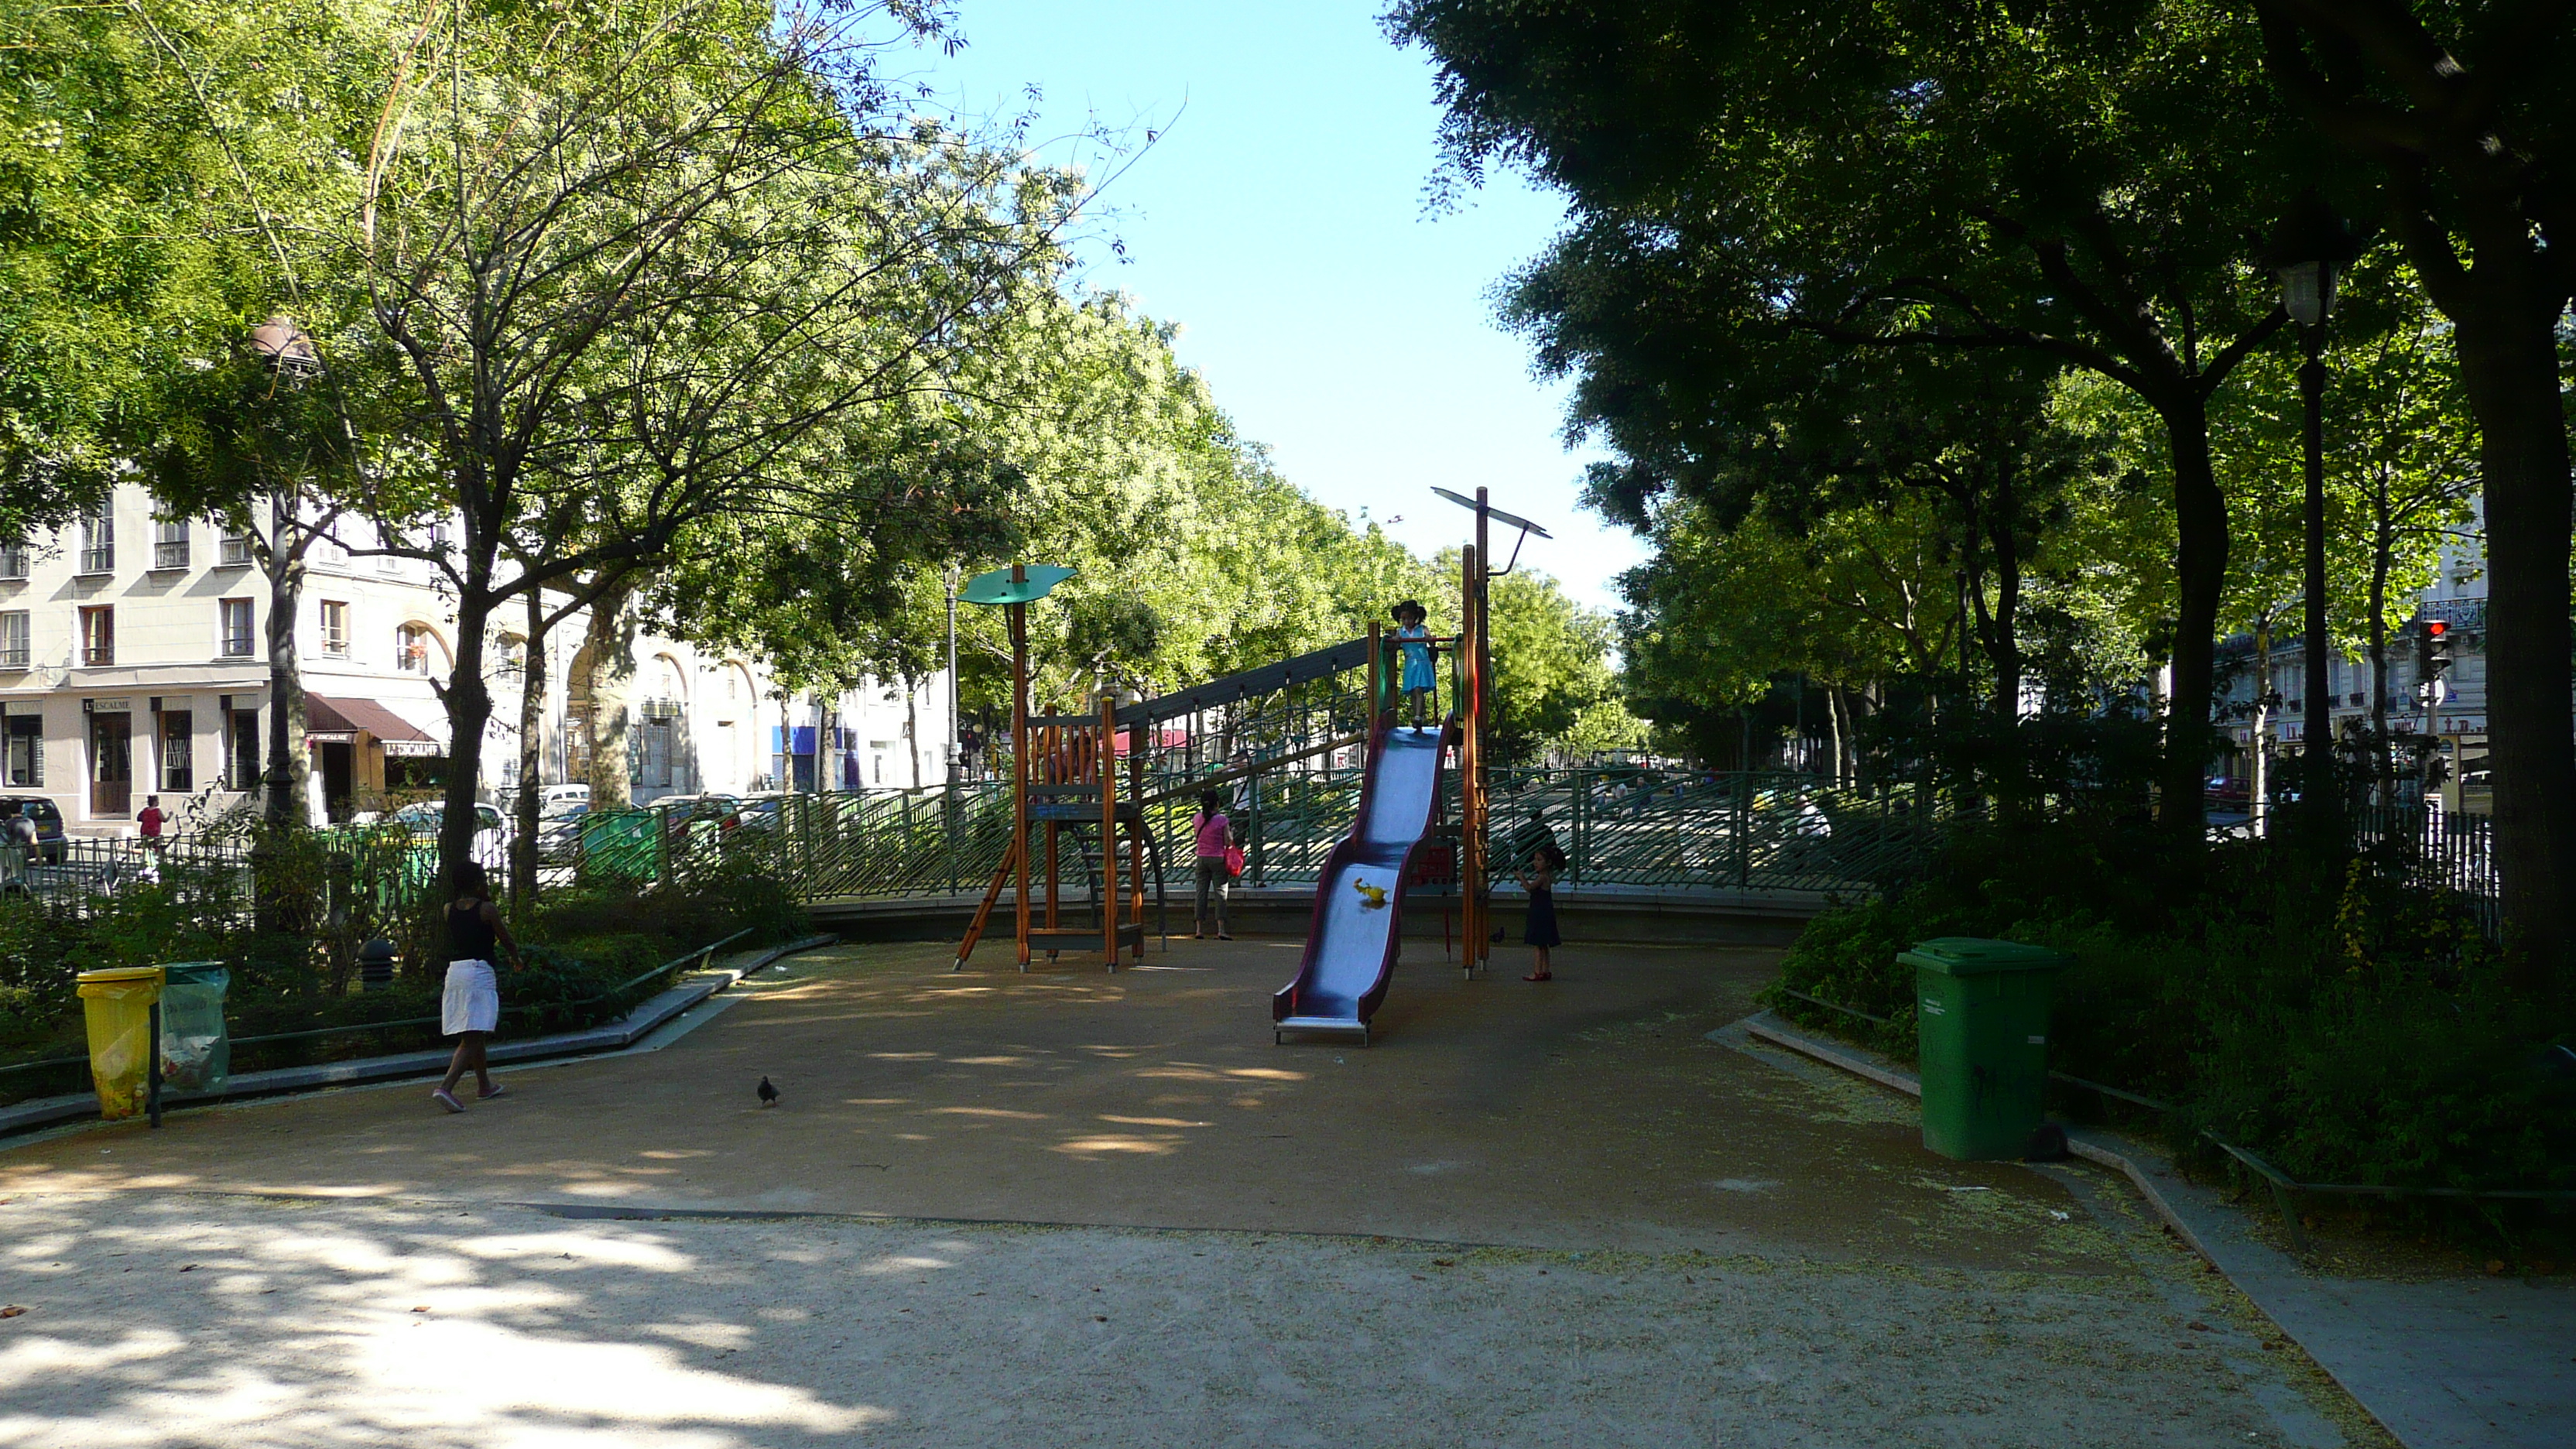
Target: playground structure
x,y
1066,789
1358,923
1064,781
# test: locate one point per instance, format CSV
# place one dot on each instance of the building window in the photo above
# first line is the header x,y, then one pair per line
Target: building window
x,y
232,550
14,650
26,762
654,739
13,560
236,621
170,543
411,649
241,750
98,635
335,627
98,543
178,751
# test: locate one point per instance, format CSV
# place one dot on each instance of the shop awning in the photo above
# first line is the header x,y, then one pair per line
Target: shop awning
x,y
337,722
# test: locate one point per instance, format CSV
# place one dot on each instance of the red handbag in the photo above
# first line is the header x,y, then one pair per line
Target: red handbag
x,y
1234,860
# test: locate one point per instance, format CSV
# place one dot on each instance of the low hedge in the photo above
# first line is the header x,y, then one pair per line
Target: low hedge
x,y
2323,1013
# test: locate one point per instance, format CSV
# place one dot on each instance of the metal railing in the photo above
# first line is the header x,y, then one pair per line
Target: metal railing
x,y
1618,826
2441,851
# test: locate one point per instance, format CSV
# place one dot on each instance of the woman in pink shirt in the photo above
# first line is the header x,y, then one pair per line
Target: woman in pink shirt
x,y
1215,833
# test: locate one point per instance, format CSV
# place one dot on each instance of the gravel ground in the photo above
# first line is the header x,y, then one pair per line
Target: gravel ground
x,y
201,1319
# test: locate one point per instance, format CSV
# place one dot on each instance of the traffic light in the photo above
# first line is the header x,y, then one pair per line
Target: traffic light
x,y
2435,651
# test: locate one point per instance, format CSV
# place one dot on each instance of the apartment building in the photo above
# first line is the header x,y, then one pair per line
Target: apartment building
x,y
2457,597
133,662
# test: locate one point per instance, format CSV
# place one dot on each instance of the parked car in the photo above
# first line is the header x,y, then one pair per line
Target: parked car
x,y
551,799
679,812
49,824
491,832
762,810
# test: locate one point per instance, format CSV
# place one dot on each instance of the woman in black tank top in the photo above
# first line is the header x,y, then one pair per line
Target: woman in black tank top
x,y
470,1007
469,936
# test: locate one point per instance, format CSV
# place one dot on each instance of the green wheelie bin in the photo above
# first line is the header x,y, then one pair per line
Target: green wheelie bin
x,y
1981,1010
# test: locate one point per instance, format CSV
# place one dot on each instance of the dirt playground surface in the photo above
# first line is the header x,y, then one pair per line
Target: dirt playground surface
x,y
1589,1112
1072,1207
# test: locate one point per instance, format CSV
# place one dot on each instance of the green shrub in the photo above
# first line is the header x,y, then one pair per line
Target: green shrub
x,y
2319,1011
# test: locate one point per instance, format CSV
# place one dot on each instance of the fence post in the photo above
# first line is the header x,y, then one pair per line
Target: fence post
x,y
1577,868
1260,857
1744,830
948,827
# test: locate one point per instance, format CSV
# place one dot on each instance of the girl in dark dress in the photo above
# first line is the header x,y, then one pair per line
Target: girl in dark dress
x,y
470,1007
1540,933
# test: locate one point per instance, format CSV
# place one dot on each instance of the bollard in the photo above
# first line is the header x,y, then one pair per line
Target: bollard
x,y
376,961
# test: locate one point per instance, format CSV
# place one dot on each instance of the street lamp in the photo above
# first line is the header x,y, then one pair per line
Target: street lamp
x,y
951,773
2309,251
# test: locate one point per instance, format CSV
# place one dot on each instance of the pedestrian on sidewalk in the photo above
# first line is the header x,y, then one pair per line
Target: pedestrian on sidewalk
x,y
470,1008
1215,835
150,822
17,846
1540,933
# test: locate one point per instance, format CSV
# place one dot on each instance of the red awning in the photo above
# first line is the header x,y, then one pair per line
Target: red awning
x,y
337,722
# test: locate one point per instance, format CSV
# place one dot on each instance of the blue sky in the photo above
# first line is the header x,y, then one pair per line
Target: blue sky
x,y
1280,221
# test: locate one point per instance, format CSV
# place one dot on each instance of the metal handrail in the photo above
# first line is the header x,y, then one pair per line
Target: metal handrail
x,y
702,954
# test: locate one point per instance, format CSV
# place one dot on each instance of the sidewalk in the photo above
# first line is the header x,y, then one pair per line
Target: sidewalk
x,y
2443,1364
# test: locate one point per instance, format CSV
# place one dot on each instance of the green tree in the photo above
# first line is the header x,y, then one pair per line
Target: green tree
x,y
2074,182
2465,113
654,271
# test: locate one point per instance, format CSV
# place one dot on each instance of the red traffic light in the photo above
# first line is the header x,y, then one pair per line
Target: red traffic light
x,y
2436,628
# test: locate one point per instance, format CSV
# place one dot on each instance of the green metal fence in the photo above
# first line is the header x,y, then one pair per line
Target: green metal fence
x,y
1619,826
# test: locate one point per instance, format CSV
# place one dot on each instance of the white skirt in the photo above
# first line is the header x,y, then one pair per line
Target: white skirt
x,y
472,1001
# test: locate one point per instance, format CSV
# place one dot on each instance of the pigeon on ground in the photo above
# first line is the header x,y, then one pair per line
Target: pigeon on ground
x,y
768,1093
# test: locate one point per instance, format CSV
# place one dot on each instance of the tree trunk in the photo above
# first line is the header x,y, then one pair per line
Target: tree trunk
x,y
1834,727
2383,544
532,754
289,770
468,697
912,725
2258,804
611,646
2509,368
2200,568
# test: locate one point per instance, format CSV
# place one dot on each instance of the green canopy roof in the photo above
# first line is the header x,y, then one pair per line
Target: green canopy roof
x,y
998,587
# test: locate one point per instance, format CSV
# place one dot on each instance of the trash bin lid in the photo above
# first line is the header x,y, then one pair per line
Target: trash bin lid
x,y
102,983
1970,956
195,973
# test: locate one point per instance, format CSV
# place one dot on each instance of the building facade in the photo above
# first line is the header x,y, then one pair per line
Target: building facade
x,y
2458,716
134,663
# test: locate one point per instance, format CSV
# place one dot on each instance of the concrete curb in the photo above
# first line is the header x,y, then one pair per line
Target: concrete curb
x,y
2433,1362
639,1022
2091,1146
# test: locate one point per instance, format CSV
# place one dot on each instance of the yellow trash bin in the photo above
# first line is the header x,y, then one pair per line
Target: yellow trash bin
x,y
117,1006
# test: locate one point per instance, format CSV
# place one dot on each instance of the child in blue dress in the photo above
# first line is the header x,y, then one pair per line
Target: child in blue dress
x,y
1413,641
1541,934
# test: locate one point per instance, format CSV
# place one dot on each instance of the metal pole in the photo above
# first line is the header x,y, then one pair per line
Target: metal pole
x,y
152,1069
952,677
2317,780
1019,621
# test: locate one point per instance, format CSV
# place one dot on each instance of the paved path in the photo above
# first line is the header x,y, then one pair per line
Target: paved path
x,y
2445,1361
1528,1216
